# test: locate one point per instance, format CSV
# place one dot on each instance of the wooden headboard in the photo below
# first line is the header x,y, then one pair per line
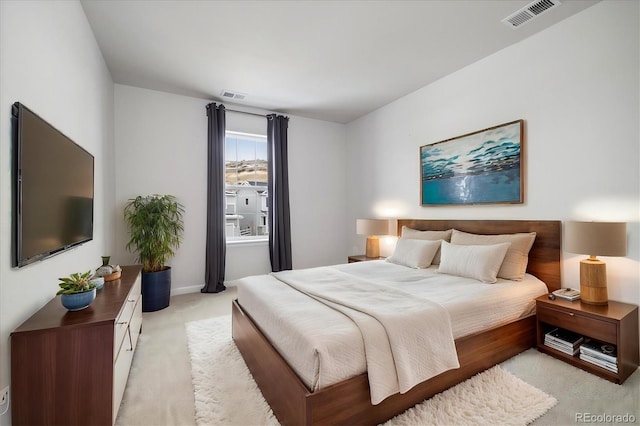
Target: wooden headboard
x,y
544,257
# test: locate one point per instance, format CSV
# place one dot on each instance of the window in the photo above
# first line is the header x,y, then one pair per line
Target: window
x,y
246,186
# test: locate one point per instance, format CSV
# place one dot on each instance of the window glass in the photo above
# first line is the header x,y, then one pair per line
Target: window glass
x,y
245,186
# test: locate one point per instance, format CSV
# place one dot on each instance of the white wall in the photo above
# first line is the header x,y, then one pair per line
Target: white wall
x,y
161,148
50,61
318,188
577,86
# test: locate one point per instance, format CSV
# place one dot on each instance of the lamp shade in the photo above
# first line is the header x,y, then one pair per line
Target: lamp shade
x,y
372,227
596,238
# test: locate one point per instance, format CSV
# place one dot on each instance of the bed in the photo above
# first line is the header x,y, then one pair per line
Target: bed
x,y
296,401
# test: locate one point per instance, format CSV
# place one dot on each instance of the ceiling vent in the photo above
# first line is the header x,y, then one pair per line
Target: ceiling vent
x,y
232,95
530,11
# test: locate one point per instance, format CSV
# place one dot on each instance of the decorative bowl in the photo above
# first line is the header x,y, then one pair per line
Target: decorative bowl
x,y
78,301
104,270
113,276
98,281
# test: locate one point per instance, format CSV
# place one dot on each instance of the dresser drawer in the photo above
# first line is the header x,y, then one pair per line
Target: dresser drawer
x,y
134,298
121,374
136,323
124,355
579,323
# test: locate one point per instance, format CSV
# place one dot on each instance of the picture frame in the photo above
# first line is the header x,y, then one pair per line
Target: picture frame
x,y
482,167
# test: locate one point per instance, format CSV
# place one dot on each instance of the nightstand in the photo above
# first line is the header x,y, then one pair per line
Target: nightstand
x,y
363,258
615,323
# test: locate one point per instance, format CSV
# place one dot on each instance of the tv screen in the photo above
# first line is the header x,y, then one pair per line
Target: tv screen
x,y
53,189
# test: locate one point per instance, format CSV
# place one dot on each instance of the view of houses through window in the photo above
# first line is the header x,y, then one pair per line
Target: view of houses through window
x,y
246,186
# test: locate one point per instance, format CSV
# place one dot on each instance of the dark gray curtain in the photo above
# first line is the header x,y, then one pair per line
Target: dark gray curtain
x,y
278,193
216,247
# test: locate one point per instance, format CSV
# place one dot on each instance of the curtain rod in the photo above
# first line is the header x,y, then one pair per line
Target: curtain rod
x,y
253,113
245,112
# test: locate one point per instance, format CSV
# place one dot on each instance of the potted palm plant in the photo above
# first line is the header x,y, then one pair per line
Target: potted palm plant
x,y
77,291
156,226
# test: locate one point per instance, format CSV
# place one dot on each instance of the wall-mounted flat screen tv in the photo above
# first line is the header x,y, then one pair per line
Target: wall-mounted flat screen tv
x,y
52,189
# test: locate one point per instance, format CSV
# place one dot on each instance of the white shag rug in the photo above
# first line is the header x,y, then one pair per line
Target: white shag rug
x,y
225,392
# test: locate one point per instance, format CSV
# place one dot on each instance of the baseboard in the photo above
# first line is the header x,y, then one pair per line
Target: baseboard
x,y
196,288
186,290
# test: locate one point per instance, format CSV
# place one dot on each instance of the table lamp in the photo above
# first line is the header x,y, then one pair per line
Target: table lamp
x,y
595,239
372,228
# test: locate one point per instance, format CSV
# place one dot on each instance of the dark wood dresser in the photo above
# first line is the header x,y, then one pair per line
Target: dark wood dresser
x,y
71,368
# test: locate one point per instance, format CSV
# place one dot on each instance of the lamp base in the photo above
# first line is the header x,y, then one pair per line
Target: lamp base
x,y
593,282
373,247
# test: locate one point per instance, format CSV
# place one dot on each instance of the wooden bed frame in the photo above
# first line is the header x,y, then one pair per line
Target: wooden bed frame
x,y
349,401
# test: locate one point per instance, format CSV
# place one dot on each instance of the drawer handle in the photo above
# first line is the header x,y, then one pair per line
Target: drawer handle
x,y
570,314
131,301
130,340
123,323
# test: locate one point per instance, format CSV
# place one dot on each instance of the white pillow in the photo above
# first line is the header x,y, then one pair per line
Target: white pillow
x,y
515,261
414,253
478,262
427,235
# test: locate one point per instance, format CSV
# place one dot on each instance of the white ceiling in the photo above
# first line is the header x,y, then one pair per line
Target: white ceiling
x,y
329,60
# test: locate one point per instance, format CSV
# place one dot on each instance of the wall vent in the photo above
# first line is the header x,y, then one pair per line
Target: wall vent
x,y
530,11
232,95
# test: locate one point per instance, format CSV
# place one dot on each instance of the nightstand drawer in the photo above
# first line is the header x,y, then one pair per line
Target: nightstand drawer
x,y
581,324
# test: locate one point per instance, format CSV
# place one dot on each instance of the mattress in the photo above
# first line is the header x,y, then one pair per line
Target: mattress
x,y
325,347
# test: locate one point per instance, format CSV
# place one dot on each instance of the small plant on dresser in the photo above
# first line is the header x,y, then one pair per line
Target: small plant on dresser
x,y
77,291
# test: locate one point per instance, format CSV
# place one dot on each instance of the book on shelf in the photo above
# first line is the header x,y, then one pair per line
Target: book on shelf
x,y
599,362
562,348
600,350
567,294
564,338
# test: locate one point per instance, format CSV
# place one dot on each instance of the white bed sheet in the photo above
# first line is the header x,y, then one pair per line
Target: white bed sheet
x,y
306,332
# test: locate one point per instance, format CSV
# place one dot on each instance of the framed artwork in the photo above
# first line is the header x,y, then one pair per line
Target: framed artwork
x,y
483,167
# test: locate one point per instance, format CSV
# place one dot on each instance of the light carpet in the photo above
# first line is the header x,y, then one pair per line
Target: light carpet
x,y
225,392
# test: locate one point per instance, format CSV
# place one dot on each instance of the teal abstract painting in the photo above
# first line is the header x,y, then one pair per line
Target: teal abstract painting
x,y
484,167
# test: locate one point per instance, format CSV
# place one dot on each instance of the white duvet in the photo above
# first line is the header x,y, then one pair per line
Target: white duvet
x,y
392,325
324,346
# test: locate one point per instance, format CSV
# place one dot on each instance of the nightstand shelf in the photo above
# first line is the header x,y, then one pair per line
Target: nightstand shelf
x,y
363,258
615,323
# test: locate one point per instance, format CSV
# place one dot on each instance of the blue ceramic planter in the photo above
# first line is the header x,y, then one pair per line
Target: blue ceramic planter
x,y
156,290
78,301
